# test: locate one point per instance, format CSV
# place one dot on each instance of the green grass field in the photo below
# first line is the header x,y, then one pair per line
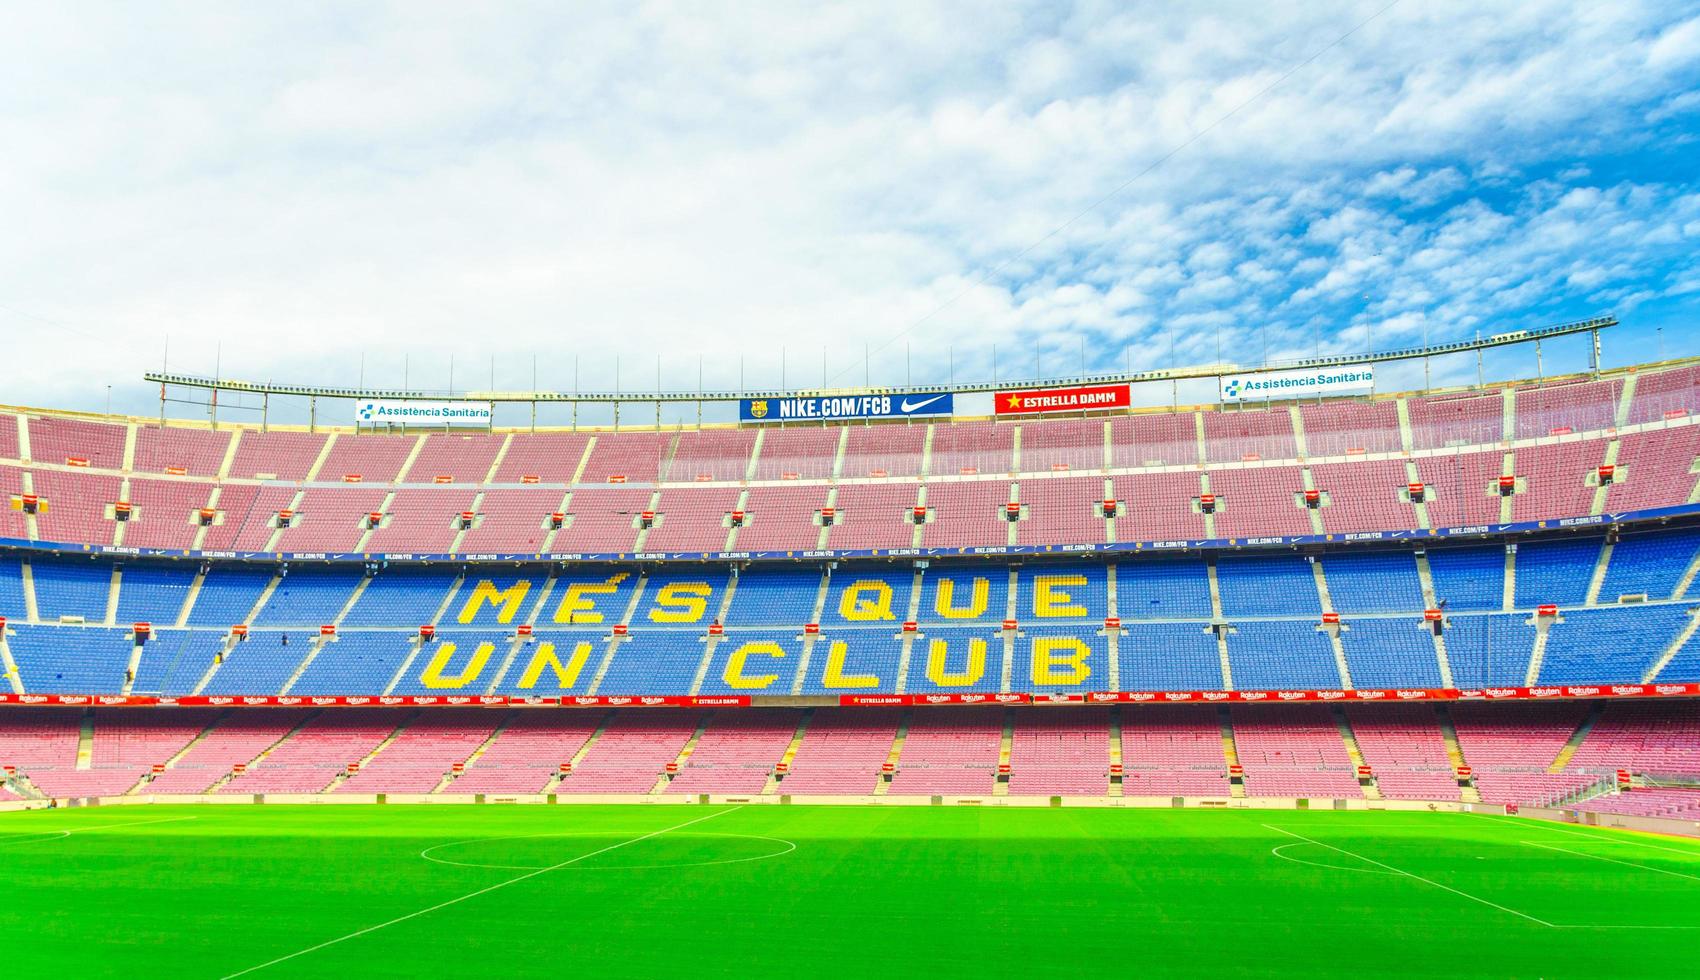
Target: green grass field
x,y
638,891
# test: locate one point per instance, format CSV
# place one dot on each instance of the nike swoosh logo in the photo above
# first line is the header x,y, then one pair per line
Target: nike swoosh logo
x,y
909,406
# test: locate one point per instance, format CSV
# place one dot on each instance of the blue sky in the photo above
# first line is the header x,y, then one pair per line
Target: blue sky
x,y
293,191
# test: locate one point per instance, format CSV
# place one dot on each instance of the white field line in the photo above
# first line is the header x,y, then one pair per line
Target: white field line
x,y
64,832
1278,848
1407,874
1531,823
1627,864
474,894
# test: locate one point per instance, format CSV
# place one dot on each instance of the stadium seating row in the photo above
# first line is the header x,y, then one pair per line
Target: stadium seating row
x,y
1556,610
1567,753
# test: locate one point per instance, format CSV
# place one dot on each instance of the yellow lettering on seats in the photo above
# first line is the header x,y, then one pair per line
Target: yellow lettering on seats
x,y
681,602
835,676
1049,599
852,605
485,591
566,675
945,592
575,608
734,674
433,676
939,650
1048,656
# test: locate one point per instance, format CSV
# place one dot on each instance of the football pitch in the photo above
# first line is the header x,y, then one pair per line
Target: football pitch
x,y
784,891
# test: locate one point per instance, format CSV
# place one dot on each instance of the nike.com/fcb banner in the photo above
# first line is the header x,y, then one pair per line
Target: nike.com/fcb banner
x,y
382,411
1264,386
923,405
1086,399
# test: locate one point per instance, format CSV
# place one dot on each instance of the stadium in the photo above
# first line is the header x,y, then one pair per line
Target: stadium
x,y
1371,653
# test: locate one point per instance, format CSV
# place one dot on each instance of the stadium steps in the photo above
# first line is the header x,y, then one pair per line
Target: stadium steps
x,y
176,757
811,640
743,504
654,506
407,464
318,463
583,751
1354,752
26,484
1538,652
790,754
118,526
1621,417
666,457
838,456
85,740
1006,742
483,747
1333,632
1216,617
1687,581
750,467
114,583
190,596
1230,752
318,644
14,680
1209,519
1586,725
1508,414
1112,638
1455,753
229,459
1598,578
1115,788
1412,475
230,643
1110,494
417,644
1014,498
20,784
362,545
24,451
1670,652
32,611
267,751
710,642
1007,673
460,535
129,463
683,757
615,641
1308,482
273,542
496,463
1598,507
926,458
906,643
131,666
343,776
1507,504
217,494
1425,578
831,501
894,757
1406,441
1508,597
921,528
1301,445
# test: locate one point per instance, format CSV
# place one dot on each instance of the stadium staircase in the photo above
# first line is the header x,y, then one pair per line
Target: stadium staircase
x,y
416,644
1367,784
615,640
1598,577
1230,752
222,781
189,598
14,680
1115,788
477,753
114,583
177,756
1537,654
790,753
684,755
1333,632
85,741
1598,506
361,763
1216,617
1425,578
711,641
1005,743
894,757
1455,754
320,642
1676,645
1562,760
583,751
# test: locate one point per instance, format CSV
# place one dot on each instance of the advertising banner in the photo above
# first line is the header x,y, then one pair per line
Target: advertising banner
x,y
926,404
1037,401
1309,383
390,411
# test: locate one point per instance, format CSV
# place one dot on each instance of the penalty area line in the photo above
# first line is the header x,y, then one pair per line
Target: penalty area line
x,y
1407,874
482,891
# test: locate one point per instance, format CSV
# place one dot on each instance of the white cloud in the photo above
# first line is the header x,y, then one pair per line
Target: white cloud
x,y
290,186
